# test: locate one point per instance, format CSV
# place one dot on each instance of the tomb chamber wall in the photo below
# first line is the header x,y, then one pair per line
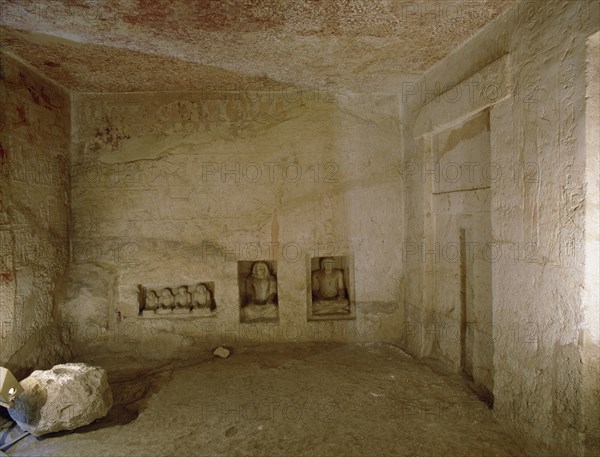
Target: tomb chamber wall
x,y
34,217
173,190
495,214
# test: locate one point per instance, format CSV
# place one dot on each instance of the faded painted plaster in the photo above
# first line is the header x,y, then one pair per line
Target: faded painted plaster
x,y
362,45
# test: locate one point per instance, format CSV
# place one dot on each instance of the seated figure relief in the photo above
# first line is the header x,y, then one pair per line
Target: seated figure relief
x,y
329,294
165,302
260,289
201,297
151,303
201,300
183,301
151,300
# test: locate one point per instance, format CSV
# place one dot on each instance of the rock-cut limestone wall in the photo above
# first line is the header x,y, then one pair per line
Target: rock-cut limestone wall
x,y
174,189
527,72
34,216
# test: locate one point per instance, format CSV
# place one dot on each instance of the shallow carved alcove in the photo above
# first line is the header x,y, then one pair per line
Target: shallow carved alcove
x,y
195,300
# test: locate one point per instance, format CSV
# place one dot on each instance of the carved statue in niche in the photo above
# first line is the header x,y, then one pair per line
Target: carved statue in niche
x,y
260,289
329,294
166,302
183,300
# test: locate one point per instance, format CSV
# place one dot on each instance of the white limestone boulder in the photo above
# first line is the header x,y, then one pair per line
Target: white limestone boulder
x,y
68,396
222,352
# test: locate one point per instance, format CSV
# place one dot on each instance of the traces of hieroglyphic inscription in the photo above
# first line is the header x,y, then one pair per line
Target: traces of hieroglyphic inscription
x,y
536,124
31,247
116,120
102,250
146,173
21,164
109,135
6,256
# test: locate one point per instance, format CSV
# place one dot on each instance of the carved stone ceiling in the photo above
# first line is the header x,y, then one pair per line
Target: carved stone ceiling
x,y
139,45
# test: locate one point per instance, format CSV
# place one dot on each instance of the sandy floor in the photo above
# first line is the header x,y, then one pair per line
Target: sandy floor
x,y
303,400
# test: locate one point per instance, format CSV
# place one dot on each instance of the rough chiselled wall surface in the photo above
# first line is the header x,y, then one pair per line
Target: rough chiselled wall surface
x,y
175,188
34,216
538,184
591,293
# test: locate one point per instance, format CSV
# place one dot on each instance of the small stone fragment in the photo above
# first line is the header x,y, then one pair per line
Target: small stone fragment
x,y
221,352
66,397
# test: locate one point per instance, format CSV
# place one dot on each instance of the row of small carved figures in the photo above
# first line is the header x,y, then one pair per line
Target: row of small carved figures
x,y
183,299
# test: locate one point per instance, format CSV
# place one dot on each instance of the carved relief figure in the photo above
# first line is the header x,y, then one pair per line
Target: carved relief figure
x,y
197,300
261,294
328,289
151,300
201,297
183,299
165,301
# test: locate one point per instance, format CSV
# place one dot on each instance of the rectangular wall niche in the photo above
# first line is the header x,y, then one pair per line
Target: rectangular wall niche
x,y
330,288
257,282
178,301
